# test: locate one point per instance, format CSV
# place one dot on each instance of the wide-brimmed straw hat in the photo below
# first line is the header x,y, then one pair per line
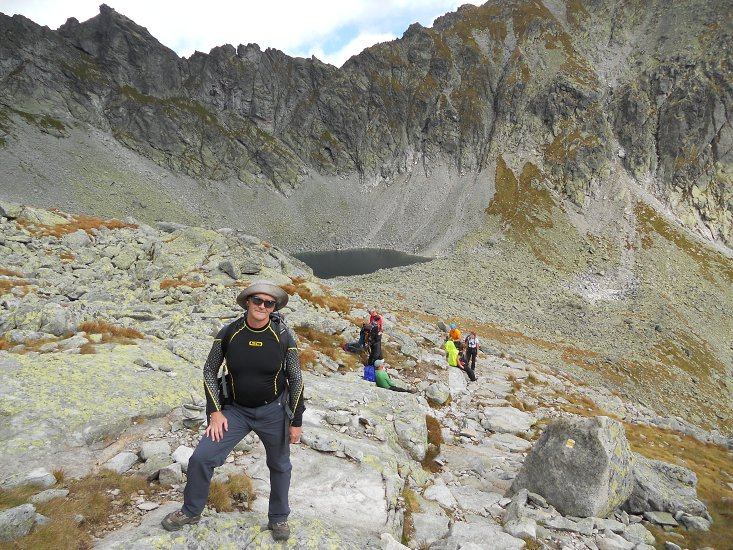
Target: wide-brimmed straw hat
x,y
264,287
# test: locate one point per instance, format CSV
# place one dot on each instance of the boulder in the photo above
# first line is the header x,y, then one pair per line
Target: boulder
x,y
226,266
249,267
694,523
187,249
17,522
182,455
440,494
412,432
516,522
429,527
507,420
153,465
10,210
338,418
38,216
437,393
121,462
170,475
57,320
152,448
612,541
308,317
125,258
638,534
39,477
49,494
474,501
510,442
660,518
660,486
457,382
583,467
76,240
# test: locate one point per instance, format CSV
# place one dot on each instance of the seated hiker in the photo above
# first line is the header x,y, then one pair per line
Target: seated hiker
x,y
455,333
383,379
352,347
361,344
452,354
364,333
375,344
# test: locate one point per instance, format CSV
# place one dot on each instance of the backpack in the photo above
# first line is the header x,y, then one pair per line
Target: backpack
x,y
370,374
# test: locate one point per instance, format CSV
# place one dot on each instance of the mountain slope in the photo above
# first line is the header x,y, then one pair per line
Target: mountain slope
x,y
568,86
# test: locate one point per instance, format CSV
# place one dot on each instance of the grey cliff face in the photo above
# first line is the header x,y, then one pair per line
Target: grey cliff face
x,y
567,86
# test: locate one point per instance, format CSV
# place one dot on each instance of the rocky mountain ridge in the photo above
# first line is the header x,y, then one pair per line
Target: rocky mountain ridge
x,y
583,91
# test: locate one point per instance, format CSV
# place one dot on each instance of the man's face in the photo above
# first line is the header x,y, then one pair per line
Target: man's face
x,y
260,312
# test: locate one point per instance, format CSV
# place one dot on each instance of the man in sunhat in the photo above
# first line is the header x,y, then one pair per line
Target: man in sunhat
x,y
266,396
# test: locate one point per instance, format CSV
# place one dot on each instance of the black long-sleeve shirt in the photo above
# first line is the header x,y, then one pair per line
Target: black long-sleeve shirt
x,y
262,362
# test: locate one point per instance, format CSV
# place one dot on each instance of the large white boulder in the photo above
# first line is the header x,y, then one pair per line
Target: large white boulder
x,y
582,466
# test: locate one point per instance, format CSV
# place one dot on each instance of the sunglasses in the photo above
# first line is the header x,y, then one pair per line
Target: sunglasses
x,y
256,300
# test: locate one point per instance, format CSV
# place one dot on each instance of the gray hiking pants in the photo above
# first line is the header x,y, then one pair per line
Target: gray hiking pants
x,y
270,423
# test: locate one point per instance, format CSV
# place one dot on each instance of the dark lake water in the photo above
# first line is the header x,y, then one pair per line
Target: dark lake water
x,y
356,261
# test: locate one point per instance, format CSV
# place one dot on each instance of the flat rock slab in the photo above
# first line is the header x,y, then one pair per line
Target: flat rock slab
x,y
38,477
474,501
355,493
507,420
429,527
661,518
121,462
441,494
65,411
235,530
510,442
49,494
482,532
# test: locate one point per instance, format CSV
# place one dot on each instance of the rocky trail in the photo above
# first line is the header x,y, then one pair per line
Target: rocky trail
x,y
106,325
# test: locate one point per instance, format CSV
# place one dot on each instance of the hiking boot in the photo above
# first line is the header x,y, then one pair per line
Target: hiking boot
x,y
280,530
175,520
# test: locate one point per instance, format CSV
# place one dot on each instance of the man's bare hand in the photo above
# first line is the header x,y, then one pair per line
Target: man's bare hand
x,y
217,426
295,434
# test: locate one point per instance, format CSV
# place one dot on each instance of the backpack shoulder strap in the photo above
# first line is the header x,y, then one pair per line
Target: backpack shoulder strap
x,y
228,333
281,329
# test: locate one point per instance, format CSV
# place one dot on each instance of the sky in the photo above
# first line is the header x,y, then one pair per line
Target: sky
x,y
332,30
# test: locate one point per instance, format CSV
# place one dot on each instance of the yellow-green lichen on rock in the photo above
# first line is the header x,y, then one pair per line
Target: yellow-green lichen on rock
x,y
77,399
188,248
236,530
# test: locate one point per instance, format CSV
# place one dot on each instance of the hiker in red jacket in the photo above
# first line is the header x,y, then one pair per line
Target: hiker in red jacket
x,y
375,317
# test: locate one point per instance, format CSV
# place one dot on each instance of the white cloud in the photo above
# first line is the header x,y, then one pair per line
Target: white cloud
x,y
333,30
353,47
